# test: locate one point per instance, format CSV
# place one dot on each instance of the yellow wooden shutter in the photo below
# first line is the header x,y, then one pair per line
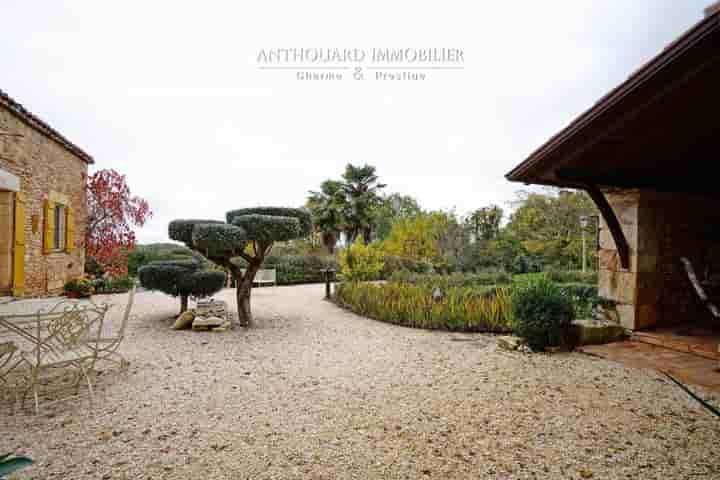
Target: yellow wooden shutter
x,y
49,227
18,277
69,230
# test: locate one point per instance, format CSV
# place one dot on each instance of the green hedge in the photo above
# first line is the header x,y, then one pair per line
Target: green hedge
x,y
297,269
458,309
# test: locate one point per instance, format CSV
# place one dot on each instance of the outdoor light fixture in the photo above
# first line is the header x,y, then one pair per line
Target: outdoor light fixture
x,y
584,220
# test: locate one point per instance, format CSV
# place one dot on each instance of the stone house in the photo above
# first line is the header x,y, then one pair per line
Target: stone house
x,y
646,154
42,204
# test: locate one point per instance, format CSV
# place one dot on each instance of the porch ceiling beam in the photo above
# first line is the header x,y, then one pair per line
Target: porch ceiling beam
x,y
612,222
680,182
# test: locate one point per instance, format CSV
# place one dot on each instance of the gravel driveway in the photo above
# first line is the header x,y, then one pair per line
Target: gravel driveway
x,y
315,392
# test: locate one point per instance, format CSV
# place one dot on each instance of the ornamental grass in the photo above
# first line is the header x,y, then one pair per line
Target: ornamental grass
x,y
454,309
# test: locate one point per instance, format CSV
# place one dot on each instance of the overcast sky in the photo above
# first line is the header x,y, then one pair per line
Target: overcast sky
x,y
170,93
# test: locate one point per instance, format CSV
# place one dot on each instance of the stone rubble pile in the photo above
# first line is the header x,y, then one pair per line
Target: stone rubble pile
x,y
208,315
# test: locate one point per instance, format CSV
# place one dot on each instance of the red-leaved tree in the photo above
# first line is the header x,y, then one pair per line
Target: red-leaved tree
x,y
112,213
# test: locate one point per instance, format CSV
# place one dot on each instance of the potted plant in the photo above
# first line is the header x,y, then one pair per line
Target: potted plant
x,y
10,463
79,288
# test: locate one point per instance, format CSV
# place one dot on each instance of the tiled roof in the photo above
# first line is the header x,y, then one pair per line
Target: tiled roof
x,y
38,124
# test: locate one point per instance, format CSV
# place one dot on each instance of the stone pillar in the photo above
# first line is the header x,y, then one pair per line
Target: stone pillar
x,y
659,228
636,289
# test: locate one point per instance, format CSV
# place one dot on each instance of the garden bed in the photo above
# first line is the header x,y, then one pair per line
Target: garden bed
x,y
453,309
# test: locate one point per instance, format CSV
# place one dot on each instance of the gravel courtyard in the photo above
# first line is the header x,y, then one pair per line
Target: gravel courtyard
x,y
316,392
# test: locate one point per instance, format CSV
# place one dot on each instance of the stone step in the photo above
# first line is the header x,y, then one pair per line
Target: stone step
x,y
676,345
595,332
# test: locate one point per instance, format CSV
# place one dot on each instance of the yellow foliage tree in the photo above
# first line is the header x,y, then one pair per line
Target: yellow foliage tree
x,y
417,237
360,262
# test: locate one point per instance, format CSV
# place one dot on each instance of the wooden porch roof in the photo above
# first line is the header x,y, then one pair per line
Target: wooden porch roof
x,y
658,130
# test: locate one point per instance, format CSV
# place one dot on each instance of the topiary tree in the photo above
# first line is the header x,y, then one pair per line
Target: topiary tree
x,y
248,235
181,278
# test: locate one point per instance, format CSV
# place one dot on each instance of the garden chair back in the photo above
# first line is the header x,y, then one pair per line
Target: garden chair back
x,y
59,338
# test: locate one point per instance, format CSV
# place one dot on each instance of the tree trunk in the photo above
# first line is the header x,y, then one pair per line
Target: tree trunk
x,y
367,236
243,290
183,304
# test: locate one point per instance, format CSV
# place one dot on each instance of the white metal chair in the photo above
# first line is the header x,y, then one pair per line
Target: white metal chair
x,y
707,300
107,344
60,338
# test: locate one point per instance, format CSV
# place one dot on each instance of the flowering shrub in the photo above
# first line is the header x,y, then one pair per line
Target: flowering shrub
x,y
360,262
78,288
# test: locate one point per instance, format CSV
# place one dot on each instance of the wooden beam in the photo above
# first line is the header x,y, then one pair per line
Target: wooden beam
x,y
613,224
682,182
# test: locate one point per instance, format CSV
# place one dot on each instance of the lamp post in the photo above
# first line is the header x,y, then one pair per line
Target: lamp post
x,y
329,276
584,219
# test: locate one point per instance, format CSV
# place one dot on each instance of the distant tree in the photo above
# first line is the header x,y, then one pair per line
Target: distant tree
x,y
112,213
181,278
248,236
393,208
362,188
327,210
418,237
548,225
349,205
485,222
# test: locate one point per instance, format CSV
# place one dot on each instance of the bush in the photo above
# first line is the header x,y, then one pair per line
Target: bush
x,y
113,285
542,312
78,288
394,264
457,309
572,276
360,262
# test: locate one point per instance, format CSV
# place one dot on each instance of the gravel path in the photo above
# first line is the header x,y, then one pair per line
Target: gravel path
x,y
315,392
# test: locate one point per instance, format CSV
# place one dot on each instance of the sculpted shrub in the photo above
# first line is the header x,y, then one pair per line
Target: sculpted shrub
x,y
181,278
241,245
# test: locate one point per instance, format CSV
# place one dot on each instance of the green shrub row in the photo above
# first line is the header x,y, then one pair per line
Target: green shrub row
x,y
560,276
456,309
296,269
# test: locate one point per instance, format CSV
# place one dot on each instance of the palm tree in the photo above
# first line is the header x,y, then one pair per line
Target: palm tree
x,y
361,189
326,208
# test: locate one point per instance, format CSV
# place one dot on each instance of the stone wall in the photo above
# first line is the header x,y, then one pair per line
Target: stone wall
x,y
659,228
45,168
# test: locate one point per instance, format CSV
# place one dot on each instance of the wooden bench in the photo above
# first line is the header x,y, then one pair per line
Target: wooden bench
x,y
265,276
